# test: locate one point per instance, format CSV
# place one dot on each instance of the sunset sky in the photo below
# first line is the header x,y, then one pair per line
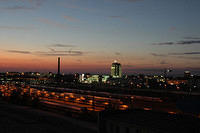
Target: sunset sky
x,y
145,36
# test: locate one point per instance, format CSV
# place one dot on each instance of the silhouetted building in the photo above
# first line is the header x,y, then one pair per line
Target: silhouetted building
x,y
116,70
58,66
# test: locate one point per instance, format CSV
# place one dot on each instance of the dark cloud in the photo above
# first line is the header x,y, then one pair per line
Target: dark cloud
x,y
158,55
192,53
61,45
187,53
51,49
19,52
188,42
55,50
60,53
164,43
192,38
51,52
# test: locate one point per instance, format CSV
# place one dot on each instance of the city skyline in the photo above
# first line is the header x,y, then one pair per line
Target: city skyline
x,y
144,36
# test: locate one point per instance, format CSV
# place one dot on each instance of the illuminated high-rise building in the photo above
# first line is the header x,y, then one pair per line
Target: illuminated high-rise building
x,y
116,70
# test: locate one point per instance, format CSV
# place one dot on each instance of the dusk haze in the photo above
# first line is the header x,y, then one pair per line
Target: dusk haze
x,y
99,66
146,36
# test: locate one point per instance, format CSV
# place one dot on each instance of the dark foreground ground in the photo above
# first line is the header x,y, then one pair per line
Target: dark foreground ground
x,y
20,119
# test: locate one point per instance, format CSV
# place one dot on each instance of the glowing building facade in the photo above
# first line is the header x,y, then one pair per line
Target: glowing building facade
x,y
116,70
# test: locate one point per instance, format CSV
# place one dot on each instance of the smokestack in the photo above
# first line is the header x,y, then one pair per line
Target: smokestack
x,y
58,65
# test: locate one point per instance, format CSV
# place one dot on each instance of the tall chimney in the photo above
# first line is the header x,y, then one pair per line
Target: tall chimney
x,y
58,65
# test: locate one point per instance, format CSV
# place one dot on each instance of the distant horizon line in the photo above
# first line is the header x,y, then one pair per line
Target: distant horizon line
x,y
92,73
